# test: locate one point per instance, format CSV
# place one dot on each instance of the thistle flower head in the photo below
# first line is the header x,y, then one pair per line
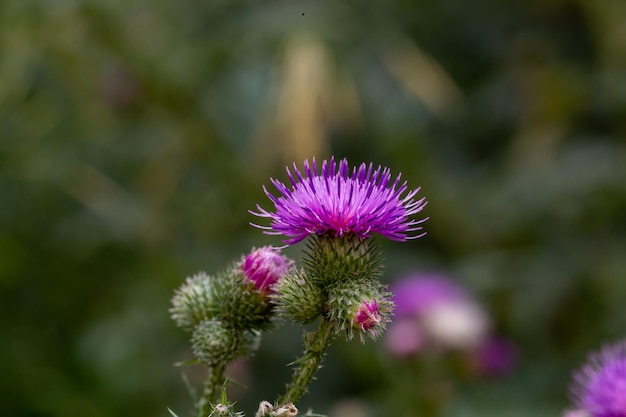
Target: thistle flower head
x,y
337,202
265,266
599,387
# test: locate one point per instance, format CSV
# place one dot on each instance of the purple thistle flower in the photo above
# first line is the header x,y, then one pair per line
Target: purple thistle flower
x,y
339,203
599,387
368,315
265,266
404,338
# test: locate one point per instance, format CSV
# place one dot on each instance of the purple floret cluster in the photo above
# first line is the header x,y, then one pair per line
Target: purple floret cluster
x,y
339,201
599,387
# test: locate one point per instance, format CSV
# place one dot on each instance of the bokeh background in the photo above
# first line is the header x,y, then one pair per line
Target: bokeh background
x,y
135,136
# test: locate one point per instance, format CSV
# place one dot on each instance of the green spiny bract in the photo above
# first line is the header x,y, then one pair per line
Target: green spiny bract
x,y
333,259
361,306
299,297
238,303
193,302
216,344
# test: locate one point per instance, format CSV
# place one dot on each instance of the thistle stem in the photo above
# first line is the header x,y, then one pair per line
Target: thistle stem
x,y
212,390
315,344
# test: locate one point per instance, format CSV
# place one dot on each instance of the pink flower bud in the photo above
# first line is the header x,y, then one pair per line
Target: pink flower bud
x,y
265,266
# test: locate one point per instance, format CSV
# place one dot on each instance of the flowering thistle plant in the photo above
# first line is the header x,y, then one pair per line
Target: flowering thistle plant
x,y
337,284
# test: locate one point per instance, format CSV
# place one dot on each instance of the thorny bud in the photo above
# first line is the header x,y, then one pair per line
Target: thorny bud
x,y
265,267
299,298
360,306
193,302
215,344
239,303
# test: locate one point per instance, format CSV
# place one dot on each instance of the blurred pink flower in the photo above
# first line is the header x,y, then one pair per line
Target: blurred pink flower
x,y
404,338
416,293
441,313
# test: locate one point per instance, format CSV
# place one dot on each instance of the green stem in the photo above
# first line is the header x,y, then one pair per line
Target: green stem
x,y
212,389
315,344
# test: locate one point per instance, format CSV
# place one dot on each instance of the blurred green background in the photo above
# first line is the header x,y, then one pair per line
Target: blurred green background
x,y
135,135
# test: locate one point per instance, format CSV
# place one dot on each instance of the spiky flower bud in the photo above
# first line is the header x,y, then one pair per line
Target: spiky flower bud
x,y
239,303
193,302
228,296
299,298
360,306
331,259
265,266
214,343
